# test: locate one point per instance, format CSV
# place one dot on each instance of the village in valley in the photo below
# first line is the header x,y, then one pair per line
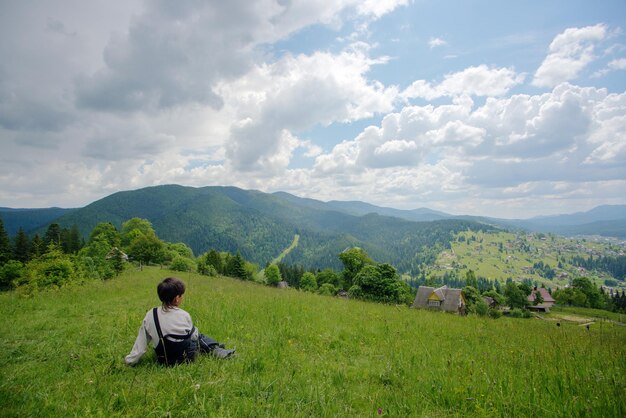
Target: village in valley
x,y
545,260
538,263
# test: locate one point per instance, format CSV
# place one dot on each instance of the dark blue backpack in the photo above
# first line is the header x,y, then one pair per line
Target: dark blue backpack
x,y
171,352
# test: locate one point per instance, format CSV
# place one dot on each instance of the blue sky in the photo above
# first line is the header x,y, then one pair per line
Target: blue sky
x,y
508,109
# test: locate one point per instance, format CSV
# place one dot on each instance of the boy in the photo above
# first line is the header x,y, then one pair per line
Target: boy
x,y
171,331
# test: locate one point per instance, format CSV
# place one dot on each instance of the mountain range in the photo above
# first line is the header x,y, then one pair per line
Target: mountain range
x,y
260,225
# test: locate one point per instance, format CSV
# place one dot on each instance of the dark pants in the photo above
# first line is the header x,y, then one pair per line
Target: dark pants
x,y
202,346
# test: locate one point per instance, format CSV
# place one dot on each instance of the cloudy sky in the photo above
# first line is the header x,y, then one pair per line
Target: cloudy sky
x,y
508,109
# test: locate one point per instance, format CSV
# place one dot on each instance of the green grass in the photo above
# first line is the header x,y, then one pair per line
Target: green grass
x,y
298,354
589,313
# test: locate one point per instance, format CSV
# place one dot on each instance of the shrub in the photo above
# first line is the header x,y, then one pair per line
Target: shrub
x,y
11,271
481,308
272,275
356,292
327,289
494,313
516,313
180,263
308,282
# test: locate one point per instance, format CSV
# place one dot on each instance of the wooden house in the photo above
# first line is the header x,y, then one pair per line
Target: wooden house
x,y
442,298
548,300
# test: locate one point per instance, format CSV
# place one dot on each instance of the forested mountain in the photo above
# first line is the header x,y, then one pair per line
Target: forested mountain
x,y
607,220
261,225
29,219
359,208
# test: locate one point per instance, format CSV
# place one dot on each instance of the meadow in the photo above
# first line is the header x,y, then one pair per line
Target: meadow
x,y
298,354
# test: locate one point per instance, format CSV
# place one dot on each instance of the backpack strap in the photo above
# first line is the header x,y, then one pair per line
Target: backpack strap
x,y
161,340
157,324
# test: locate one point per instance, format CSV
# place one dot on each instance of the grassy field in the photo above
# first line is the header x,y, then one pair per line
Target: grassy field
x,y
298,354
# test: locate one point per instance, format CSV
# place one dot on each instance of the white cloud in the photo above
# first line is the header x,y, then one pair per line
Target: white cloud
x,y
570,135
296,93
569,53
475,81
618,64
435,42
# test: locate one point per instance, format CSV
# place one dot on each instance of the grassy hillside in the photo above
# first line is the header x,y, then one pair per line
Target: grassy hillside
x,y
499,255
299,354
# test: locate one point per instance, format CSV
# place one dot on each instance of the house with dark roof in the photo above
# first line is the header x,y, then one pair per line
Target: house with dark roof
x,y
442,298
548,300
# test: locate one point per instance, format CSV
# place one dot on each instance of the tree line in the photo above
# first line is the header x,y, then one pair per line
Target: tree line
x,y
616,266
61,257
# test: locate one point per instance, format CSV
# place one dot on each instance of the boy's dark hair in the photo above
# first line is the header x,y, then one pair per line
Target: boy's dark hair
x,y
169,288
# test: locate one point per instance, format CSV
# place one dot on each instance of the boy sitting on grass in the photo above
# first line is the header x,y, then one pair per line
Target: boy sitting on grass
x,y
171,331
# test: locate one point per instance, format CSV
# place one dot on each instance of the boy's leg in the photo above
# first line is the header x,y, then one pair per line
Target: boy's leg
x,y
206,344
209,345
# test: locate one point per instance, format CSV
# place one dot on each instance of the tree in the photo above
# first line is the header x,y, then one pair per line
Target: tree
x,y
308,282
525,287
70,240
328,276
140,241
272,275
472,297
107,232
236,267
470,279
515,297
21,249
538,298
132,227
380,282
5,245
593,295
145,248
37,247
497,297
353,259
215,259
52,235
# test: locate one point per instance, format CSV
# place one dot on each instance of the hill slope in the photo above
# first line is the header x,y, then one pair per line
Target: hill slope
x,y
298,355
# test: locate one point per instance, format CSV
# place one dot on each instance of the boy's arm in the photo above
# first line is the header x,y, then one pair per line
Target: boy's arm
x,y
140,347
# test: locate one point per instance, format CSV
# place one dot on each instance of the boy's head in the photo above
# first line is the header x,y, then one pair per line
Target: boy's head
x,y
169,289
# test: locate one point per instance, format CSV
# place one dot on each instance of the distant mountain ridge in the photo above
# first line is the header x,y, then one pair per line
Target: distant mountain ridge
x,y
261,225
212,216
29,219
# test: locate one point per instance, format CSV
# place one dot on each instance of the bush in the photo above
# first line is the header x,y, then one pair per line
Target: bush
x,y
52,269
356,292
11,271
520,313
272,275
516,313
494,313
481,308
308,282
180,263
327,289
